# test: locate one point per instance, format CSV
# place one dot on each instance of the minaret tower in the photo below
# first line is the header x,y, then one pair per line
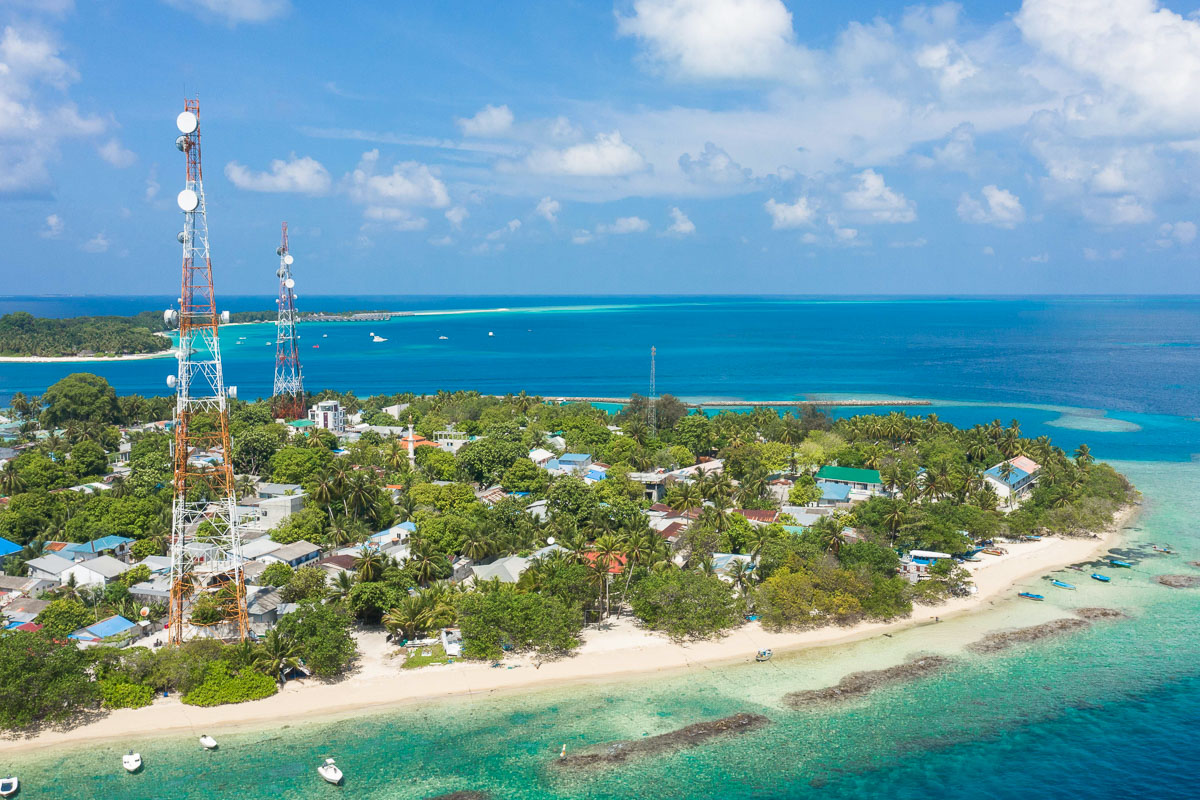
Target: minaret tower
x,y
208,593
288,394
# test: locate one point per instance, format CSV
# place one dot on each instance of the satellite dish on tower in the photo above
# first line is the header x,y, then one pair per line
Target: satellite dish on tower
x,y
180,142
188,200
291,284
171,381
288,259
186,122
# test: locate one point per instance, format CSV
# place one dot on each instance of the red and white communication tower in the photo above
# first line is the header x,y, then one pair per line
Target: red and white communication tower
x,y
288,394
208,592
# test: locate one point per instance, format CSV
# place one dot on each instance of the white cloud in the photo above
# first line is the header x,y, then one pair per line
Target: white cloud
x,y
959,150
784,215
581,237
234,11
457,215
488,121
54,227
607,156
400,219
1146,59
625,225
948,61
845,234
441,241
97,244
1040,258
717,38
509,227
1124,210
1169,233
409,184
989,250
875,202
302,175
152,185
112,152
1000,207
713,165
1092,254
35,115
548,208
680,224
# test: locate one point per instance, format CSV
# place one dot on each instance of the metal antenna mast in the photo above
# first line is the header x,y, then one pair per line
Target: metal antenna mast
x,y
208,591
289,387
653,395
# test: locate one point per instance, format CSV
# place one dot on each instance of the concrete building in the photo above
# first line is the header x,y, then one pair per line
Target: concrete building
x,y
98,571
48,568
328,414
296,554
1022,475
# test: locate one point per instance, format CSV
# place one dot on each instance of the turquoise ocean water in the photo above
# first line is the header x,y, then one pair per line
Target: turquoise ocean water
x,y
1110,712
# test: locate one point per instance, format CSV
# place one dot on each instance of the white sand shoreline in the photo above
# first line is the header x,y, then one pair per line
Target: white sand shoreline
x,y
621,651
169,353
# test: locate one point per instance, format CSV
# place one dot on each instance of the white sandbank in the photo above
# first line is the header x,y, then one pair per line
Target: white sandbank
x,y
620,649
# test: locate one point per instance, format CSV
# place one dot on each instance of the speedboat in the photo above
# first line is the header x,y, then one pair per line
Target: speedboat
x,y
491,334
443,338
330,772
132,761
1061,584
1030,596
375,338
208,743
9,786
763,655
1102,578
1166,550
1118,563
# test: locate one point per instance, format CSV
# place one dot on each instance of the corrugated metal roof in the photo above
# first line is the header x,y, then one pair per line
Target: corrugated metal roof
x,y
849,474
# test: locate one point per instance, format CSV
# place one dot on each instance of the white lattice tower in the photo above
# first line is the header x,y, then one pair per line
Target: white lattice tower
x,y
288,391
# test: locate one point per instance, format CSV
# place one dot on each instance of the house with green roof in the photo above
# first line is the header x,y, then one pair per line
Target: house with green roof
x,y
859,480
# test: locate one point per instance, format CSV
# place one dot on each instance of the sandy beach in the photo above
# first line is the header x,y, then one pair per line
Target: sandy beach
x,y
619,649
82,359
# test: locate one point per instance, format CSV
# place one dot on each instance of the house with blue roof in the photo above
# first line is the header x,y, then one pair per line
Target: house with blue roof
x,y
574,462
833,493
118,545
7,548
115,625
1013,477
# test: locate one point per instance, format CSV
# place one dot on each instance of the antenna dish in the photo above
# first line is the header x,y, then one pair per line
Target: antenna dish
x,y
231,392
186,122
291,284
279,250
171,381
550,540
288,259
145,611
180,143
187,200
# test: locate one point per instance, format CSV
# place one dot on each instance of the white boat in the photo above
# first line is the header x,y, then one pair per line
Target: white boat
x,y
491,334
330,772
9,786
377,338
763,655
443,337
131,762
208,743
324,335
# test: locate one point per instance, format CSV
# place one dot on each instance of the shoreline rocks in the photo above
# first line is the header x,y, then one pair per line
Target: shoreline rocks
x,y
858,684
1179,581
1003,640
683,739
1098,613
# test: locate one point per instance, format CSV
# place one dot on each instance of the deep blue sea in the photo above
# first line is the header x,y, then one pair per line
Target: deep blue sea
x,y
1111,712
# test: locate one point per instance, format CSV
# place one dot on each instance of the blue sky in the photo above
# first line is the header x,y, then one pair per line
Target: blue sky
x,y
651,146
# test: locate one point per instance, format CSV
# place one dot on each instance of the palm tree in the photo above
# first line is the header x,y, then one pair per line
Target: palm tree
x,y
11,481
608,552
324,491
741,573
280,655
1083,457
424,559
245,485
359,494
369,565
476,546
339,588
894,519
340,532
409,616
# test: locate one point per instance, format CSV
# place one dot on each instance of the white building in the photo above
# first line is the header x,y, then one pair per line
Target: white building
x,y
328,414
99,571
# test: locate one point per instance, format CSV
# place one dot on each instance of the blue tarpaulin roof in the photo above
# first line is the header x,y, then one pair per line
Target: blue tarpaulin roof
x,y
7,548
573,458
1017,476
834,491
98,545
104,628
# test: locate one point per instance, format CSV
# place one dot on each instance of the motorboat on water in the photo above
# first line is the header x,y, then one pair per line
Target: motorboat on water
x,y
1118,563
1158,549
330,772
9,786
375,338
131,761
1031,596
443,338
1102,578
208,743
1061,584
491,334
763,655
